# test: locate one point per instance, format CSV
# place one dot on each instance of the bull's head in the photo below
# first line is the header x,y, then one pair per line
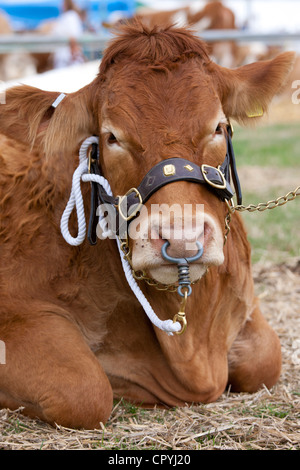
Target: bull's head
x,y
163,98
158,96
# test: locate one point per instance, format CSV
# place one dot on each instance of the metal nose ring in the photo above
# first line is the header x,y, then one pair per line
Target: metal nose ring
x,y
181,260
183,267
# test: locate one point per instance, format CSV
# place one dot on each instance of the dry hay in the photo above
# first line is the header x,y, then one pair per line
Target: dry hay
x,y
268,419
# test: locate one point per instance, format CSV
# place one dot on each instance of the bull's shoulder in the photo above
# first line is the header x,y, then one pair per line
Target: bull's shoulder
x,y
14,155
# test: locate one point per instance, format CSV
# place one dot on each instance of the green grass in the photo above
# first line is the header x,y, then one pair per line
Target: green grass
x,y
277,145
273,234
265,410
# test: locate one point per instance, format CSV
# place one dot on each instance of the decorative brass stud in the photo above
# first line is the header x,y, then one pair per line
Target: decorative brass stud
x,y
169,170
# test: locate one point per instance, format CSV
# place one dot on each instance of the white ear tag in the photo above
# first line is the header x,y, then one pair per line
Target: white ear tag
x,y
58,100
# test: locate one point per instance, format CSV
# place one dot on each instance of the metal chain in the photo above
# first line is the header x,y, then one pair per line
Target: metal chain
x,y
141,276
261,206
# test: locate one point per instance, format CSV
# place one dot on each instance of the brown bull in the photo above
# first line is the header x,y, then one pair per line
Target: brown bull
x,y
74,333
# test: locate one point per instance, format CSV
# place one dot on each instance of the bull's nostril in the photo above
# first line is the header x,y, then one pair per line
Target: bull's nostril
x,y
156,240
183,243
207,233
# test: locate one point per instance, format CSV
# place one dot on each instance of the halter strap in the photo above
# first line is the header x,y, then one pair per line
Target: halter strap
x,y
165,172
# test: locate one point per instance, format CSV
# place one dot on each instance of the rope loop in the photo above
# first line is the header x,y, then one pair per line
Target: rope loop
x,y
76,201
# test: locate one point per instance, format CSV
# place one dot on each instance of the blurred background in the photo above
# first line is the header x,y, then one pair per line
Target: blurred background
x,y
57,45
40,35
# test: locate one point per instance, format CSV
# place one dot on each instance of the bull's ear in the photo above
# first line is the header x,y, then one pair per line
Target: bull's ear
x,y
247,91
28,116
73,120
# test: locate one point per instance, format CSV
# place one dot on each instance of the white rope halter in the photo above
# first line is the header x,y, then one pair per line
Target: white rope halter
x,y
81,174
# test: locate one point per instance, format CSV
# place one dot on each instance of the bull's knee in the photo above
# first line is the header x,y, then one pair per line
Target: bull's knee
x,y
80,403
54,375
252,367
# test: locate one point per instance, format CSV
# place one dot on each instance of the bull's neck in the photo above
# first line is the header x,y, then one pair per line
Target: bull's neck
x,y
209,322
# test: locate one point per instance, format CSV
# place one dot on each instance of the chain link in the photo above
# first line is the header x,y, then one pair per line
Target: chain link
x,y
141,276
261,206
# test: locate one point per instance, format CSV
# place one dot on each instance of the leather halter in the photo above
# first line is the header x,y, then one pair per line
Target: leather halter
x,y
167,171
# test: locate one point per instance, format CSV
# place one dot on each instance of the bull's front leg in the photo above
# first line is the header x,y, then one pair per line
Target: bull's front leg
x,y
255,356
50,370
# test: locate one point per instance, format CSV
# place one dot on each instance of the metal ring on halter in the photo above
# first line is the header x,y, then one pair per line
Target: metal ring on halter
x,y
184,286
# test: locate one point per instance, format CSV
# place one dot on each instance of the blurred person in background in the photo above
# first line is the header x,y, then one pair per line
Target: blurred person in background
x,y
69,24
5,26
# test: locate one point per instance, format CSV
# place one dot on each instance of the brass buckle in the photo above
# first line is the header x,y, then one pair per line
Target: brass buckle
x,y
231,127
90,160
136,210
214,185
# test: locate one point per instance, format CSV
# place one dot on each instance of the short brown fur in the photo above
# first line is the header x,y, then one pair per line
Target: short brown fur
x,y
74,333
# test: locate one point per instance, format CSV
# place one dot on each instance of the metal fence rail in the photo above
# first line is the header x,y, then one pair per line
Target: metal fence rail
x,y
39,43
98,42
248,36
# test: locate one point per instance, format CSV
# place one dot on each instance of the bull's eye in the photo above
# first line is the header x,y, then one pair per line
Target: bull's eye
x,y
111,139
219,129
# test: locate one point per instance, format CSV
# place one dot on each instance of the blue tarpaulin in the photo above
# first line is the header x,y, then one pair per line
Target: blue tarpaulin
x,y
29,14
